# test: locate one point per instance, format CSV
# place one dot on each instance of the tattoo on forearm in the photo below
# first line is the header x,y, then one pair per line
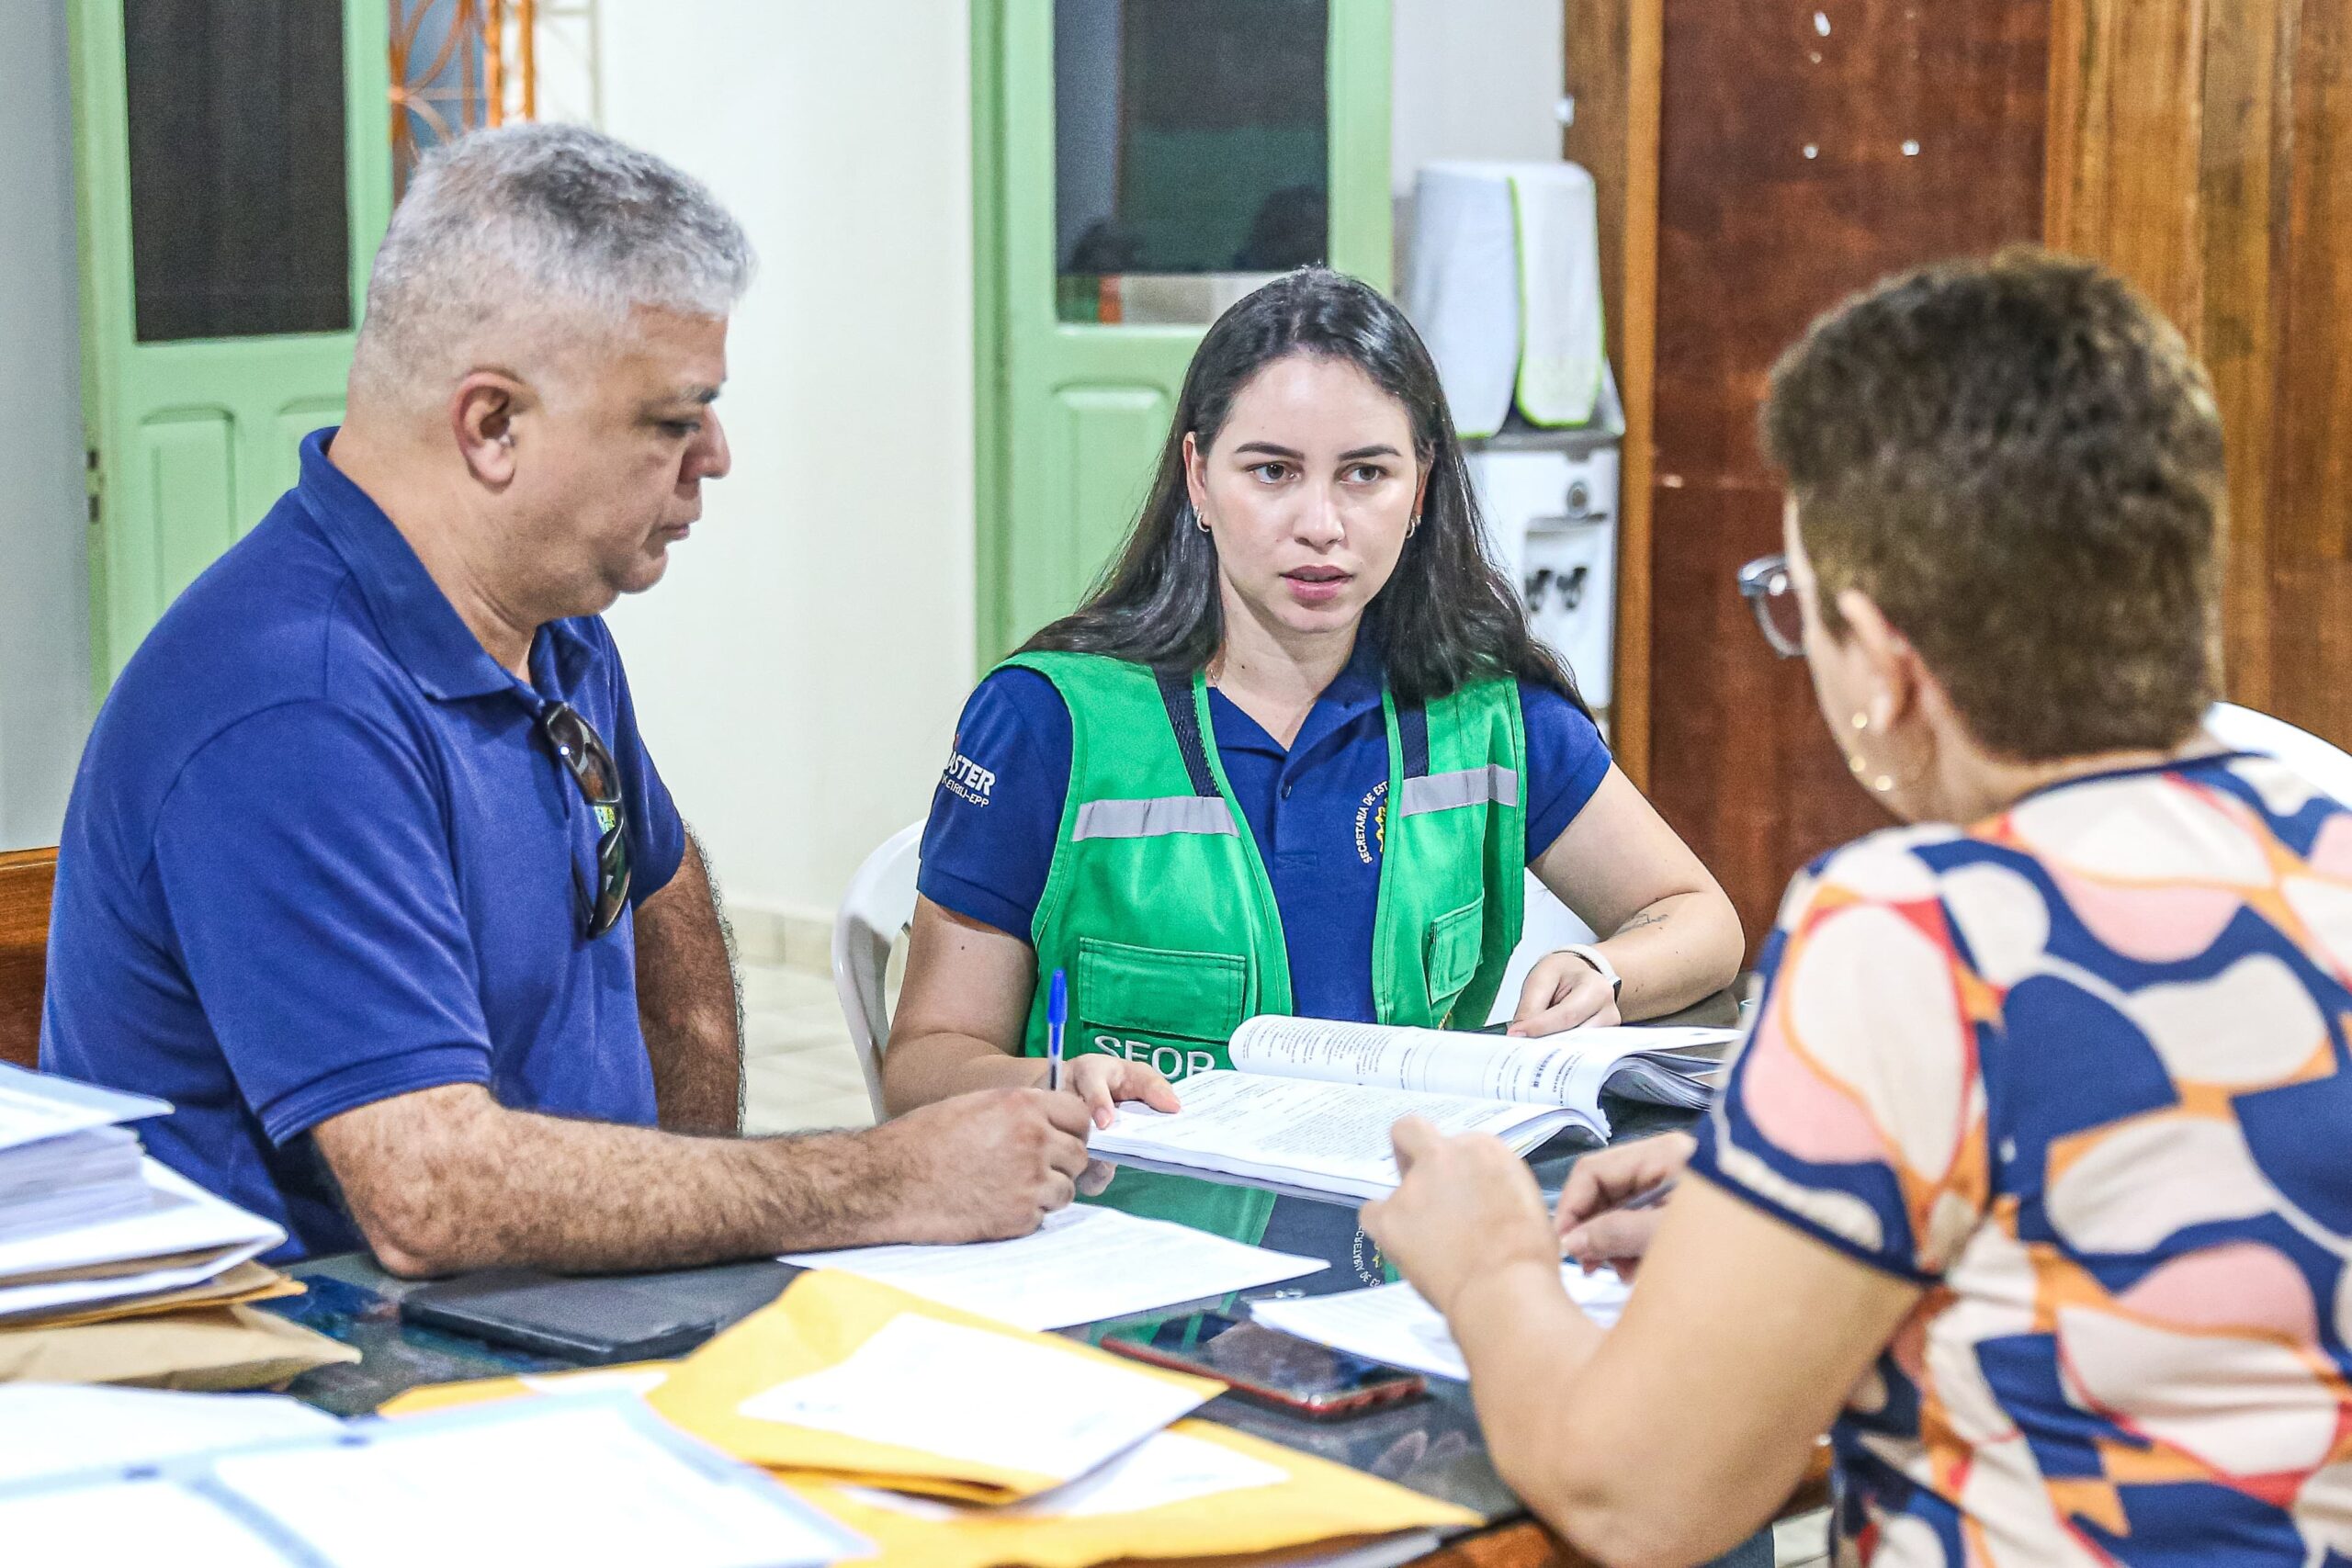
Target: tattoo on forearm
x,y
1647,917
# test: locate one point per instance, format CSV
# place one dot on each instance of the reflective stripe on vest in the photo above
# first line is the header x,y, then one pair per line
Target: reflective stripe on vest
x,y
1152,818
1490,785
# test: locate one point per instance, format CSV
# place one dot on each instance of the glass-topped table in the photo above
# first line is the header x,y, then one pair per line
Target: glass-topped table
x,y
1430,1444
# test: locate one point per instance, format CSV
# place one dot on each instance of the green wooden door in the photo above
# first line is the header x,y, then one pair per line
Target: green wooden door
x,y
1139,165
234,177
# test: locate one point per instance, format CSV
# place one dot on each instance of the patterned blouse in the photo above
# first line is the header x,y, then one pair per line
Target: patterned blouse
x,y
2081,1072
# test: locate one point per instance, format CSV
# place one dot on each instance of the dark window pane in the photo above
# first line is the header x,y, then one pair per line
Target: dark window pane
x,y
239,221
1190,137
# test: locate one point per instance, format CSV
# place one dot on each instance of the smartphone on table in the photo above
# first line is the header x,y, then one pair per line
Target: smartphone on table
x,y
1267,1365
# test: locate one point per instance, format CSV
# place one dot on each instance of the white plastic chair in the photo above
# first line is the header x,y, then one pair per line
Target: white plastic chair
x,y
876,911
2244,729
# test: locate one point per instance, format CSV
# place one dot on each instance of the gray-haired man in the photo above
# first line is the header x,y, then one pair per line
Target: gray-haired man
x,y
366,868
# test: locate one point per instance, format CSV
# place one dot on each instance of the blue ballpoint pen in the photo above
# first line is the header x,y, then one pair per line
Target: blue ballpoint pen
x,y
1056,1016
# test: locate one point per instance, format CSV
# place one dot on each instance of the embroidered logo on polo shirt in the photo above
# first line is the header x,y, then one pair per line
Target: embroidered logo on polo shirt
x,y
1372,812
966,780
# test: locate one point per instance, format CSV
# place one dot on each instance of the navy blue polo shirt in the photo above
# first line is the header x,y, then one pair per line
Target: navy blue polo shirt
x,y
317,855
1315,809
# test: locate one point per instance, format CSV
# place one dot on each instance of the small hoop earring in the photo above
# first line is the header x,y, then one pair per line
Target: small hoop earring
x,y
1198,520
1413,525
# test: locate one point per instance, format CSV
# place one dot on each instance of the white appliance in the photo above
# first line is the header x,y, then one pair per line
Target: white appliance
x,y
1549,499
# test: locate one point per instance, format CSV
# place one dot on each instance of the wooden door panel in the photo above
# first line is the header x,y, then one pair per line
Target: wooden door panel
x,y
1795,165
2199,150
27,881
2240,190
1741,764
2307,536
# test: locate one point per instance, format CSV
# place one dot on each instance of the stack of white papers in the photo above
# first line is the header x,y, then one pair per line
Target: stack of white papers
x,y
1084,1264
1396,1323
585,1480
85,1217
77,1180
63,1160
183,1236
34,1106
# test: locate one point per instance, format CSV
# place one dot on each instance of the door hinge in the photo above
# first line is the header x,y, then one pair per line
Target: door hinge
x,y
93,480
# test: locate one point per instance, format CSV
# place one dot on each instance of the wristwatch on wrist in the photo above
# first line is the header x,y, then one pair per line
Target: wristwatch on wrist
x,y
1600,962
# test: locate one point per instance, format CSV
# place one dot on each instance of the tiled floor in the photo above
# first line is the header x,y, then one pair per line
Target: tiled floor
x,y
799,1068
803,1073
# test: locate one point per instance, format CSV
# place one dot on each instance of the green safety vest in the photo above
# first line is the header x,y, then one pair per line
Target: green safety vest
x,y
1158,908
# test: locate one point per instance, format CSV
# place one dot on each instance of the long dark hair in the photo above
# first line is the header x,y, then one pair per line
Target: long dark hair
x,y
1446,616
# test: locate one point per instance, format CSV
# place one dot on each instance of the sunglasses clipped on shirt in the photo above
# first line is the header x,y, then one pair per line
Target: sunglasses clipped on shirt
x,y
586,758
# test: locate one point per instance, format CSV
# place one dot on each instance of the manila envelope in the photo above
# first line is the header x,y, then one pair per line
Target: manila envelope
x,y
821,1318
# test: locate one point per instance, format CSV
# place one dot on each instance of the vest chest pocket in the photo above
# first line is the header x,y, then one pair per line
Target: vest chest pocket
x,y
1456,938
1160,992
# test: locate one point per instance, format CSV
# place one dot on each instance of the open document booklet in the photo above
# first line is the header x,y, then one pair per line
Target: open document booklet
x,y
1309,1102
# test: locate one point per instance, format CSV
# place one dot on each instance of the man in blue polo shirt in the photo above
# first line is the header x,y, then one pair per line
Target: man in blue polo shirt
x,y
366,868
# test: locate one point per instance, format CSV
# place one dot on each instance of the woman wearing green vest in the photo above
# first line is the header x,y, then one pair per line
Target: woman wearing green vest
x,y
1290,757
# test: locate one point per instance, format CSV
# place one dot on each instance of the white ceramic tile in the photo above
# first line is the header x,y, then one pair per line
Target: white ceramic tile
x,y
772,986
769,1035
793,1113
812,1075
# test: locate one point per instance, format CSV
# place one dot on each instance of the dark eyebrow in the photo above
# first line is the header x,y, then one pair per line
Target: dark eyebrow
x,y
702,397
1270,449
1370,452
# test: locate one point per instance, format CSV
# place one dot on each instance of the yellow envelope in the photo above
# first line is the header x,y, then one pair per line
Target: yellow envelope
x,y
1315,1501
638,1377
821,1318
239,1286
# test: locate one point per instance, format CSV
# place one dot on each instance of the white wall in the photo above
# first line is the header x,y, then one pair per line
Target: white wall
x,y
799,671
44,565
1472,79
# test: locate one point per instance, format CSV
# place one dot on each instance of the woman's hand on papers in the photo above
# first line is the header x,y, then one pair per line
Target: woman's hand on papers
x,y
1593,1229
1563,992
1101,1080
1466,1207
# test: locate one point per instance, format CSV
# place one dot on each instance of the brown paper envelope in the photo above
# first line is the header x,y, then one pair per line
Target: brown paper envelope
x,y
199,1350
117,1268
245,1282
